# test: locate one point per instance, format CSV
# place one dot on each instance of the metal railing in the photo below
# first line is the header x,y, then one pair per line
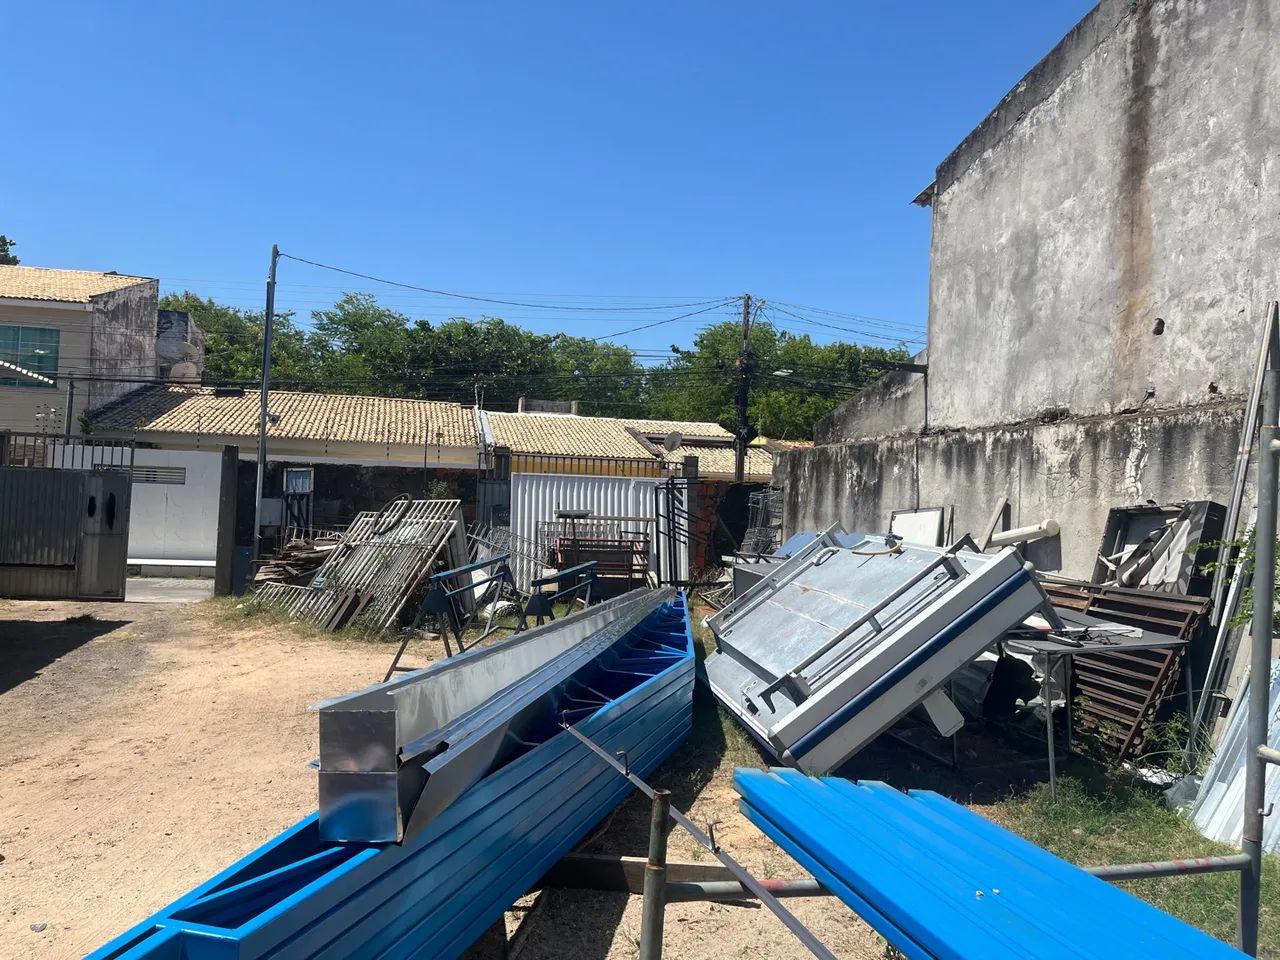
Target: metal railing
x,y
64,453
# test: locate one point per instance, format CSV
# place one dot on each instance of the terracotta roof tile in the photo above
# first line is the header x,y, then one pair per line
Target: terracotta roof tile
x,y
720,461
311,416
64,286
569,435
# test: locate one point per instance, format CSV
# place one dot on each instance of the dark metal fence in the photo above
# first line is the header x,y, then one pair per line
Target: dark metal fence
x,y
65,453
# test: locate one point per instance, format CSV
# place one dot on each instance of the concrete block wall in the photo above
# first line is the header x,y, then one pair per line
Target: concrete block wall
x,y
1072,471
1105,240
123,341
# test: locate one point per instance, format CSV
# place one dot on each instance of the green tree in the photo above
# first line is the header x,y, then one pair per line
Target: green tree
x,y
795,381
359,346
7,257
603,377
461,359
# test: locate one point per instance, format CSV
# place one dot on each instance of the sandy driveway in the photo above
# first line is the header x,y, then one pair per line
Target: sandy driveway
x,y
143,747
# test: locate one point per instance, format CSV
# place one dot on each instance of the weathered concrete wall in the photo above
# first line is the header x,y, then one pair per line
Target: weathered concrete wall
x,y
897,403
179,340
1072,471
124,340
1105,240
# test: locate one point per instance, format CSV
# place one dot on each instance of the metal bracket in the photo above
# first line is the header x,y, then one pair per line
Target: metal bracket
x,y
711,835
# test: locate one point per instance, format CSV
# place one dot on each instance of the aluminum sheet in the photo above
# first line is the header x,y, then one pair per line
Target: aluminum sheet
x,y
837,643
937,880
394,756
1218,809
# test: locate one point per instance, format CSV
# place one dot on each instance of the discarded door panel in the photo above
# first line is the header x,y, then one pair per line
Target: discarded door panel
x,y
836,644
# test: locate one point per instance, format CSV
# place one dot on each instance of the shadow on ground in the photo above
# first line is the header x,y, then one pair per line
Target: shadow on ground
x,y
988,764
28,646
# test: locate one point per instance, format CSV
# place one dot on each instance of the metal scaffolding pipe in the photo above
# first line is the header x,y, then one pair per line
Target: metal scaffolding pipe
x,y
1038,531
1169,868
1264,597
655,878
688,891
1269,755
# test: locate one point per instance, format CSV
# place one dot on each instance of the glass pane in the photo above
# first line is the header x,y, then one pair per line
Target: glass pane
x,y
35,348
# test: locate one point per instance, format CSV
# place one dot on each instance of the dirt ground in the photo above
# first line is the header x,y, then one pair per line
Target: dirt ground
x,y
143,747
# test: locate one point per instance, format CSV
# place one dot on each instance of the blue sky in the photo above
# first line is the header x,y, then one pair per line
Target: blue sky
x,y
593,154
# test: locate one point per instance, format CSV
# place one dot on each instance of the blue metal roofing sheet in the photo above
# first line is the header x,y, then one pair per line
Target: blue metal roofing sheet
x,y
300,896
940,882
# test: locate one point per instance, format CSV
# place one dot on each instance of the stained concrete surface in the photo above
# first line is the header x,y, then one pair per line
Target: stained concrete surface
x,y
167,590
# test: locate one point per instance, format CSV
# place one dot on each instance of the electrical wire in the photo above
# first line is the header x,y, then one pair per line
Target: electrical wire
x,y
494,300
650,326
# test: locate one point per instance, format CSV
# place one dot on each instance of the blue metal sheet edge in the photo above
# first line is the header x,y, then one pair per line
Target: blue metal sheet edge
x,y
942,883
359,907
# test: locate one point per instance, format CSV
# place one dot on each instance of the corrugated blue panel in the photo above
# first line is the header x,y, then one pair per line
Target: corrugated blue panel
x,y
302,897
940,882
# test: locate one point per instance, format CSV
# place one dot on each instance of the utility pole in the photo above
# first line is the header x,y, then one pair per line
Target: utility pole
x,y
1256,753
268,318
745,369
71,405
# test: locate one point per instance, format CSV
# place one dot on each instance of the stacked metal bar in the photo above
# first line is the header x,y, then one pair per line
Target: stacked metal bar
x,y
937,880
381,560
1120,692
839,641
301,897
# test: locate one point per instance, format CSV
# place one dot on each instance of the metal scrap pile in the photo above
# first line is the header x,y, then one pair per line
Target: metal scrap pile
x,y
815,651
844,638
297,561
381,562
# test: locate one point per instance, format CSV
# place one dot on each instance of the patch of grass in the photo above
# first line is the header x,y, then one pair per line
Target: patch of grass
x,y
1121,823
244,612
80,618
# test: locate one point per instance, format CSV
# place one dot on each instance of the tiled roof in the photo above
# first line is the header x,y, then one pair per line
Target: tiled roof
x,y
65,286
720,461
569,435
310,416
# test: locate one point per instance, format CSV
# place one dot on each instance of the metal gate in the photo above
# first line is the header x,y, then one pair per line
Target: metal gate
x,y
64,517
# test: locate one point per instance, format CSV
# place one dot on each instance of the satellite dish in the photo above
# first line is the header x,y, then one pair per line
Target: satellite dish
x,y
673,439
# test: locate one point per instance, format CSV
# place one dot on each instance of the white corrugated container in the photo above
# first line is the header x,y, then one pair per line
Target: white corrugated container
x,y
1218,809
535,498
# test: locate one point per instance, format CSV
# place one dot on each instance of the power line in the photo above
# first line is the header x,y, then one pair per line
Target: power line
x,y
650,326
874,321
478,299
832,326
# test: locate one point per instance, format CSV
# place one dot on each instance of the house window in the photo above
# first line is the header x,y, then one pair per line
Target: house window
x,y
32,348
297,479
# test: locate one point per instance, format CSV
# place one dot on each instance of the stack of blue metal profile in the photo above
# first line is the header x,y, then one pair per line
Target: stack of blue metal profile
x,y
302,896
939,881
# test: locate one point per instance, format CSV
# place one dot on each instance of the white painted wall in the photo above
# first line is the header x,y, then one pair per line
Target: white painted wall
x,y
176,521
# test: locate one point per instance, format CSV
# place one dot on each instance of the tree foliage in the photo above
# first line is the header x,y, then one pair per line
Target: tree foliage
x,y
360,346
794,380
7,256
